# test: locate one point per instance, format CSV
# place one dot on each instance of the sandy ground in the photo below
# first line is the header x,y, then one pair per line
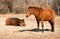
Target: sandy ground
x,y
28,32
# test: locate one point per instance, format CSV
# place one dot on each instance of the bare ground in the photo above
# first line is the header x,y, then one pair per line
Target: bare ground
x,y
28,32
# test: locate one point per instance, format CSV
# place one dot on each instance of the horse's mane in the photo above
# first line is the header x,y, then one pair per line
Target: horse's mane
x,y
32,7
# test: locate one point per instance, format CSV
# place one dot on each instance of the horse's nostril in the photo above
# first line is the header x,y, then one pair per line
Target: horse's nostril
x,y
26,16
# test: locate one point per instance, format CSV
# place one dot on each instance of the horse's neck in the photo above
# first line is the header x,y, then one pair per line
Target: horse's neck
x,y
36,14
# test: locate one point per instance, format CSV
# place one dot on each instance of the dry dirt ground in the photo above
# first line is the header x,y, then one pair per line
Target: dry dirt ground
x,y
28,32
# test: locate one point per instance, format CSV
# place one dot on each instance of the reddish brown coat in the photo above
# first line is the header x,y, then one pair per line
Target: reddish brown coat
x,y
42,14
15,22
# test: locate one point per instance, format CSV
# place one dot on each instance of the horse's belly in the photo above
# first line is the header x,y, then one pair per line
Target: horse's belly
x,y
46,18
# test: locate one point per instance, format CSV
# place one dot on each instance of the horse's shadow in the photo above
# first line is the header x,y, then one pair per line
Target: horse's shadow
x,y
35,30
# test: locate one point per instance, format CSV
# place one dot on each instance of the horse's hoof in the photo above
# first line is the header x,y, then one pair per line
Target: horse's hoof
x,y
52,30
42,31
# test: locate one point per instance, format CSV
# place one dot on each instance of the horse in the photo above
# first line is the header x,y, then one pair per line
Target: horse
x,y
15,22
42,14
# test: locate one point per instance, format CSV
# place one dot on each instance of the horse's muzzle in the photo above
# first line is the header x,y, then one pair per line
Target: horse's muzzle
x,y
26,16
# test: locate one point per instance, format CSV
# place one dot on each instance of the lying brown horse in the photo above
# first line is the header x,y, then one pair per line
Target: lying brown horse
x,y
15,22
42,15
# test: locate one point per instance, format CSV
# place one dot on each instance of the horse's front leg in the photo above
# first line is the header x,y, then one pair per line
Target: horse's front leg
x,y
42,25
37,24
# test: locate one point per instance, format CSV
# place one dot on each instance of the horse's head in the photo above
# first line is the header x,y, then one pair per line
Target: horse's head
x,y
33,10
22,22
29,12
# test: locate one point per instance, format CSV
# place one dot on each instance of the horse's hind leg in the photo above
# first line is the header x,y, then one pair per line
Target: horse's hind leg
x,y
52,25
42,25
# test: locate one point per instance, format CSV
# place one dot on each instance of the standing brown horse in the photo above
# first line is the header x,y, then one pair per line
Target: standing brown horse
x,y
42,15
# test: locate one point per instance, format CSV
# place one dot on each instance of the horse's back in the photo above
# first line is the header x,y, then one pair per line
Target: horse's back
x,y
47,14
11,21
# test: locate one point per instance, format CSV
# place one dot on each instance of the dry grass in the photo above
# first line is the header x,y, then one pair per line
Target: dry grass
x,y
28,32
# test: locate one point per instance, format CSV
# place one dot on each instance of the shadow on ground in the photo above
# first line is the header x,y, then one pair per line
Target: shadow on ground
x,y
34,30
